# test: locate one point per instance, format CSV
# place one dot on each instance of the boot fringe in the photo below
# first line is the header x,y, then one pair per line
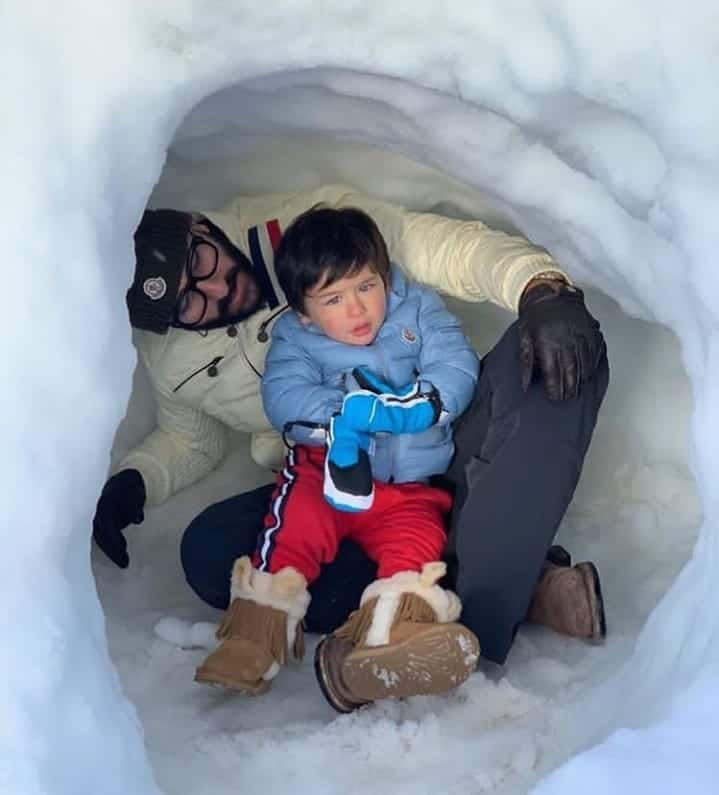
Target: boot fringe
x,y
409,607
263,625
424,584
413,608
298,647
284,592
357,625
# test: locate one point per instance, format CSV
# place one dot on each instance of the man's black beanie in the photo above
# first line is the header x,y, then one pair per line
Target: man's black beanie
x,y
161,242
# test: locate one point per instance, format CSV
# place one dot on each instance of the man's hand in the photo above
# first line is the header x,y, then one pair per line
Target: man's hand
x,y
120,504
558,338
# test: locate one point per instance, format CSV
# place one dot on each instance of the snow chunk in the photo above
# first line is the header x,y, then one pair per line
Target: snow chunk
x,y
185,634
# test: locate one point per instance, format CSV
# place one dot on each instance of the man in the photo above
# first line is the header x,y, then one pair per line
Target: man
x,y
203,302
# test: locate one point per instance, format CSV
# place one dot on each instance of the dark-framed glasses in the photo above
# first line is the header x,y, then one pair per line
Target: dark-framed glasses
x,y
200,265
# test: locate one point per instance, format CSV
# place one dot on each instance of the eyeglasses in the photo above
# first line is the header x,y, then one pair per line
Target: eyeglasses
x,y
200,265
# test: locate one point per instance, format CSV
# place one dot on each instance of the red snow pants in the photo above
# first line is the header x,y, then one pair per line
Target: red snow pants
x,y
404,528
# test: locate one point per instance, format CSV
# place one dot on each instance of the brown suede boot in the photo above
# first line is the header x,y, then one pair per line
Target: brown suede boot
x,y
403,641
262,623
568,599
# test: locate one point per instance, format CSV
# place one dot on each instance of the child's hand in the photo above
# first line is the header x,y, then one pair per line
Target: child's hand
x,y
366,379
410,410
348,484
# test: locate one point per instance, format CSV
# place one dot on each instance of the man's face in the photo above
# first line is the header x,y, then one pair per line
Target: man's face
x,y
214,289
350,310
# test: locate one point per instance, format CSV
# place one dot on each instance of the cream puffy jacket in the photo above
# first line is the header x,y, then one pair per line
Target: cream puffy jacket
x,y
207,383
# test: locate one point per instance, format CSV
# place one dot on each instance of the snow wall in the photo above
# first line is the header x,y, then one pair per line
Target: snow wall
x,y
590,139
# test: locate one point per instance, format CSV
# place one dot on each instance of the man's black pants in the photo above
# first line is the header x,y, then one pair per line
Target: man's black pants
x,y
517,462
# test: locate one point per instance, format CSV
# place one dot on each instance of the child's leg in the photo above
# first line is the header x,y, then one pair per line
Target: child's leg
x,y
404,639
269,599
301,529
405,534
405,528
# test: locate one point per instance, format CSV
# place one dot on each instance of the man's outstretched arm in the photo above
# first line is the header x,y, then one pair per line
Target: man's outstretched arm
x,y
186,445
464,259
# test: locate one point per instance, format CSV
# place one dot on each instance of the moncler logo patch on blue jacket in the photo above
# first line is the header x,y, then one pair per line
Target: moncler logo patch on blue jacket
x,y
408,336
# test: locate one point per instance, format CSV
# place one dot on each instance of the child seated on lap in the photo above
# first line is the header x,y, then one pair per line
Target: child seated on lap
x,y
365,375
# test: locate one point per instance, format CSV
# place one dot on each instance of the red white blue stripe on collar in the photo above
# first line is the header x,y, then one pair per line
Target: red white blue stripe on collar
x,y
263,242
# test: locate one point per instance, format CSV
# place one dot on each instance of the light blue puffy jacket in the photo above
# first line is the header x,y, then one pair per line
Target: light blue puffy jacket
x,y
307,375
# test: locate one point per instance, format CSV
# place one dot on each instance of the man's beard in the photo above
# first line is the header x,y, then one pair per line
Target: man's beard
x,y
226,316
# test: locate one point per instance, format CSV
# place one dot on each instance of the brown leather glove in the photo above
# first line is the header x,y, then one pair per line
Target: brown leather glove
x,y
559,340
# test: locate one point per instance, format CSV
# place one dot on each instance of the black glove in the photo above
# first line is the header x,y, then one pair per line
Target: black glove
x,y
121,503
558,338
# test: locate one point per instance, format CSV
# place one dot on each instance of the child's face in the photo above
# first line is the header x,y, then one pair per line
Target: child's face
x,y
350,310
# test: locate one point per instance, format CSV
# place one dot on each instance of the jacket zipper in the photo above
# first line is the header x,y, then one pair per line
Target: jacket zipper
x,y
392,441
252,366
204,367
262,335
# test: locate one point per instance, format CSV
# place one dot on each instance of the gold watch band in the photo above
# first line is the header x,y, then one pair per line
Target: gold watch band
x,y
555,276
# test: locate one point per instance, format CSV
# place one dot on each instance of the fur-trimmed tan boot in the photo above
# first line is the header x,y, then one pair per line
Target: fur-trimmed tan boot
x,y
263,621
568,599
403,641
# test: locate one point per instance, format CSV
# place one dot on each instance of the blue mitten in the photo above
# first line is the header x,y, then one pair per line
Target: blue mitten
x,y
348,484
366,379
410,410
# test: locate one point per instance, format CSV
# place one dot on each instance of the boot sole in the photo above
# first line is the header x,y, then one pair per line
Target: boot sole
x,y
434,663
217,679
323,674
594,595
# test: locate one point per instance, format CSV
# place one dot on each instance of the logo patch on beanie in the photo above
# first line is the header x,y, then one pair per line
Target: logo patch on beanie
x,y
154,288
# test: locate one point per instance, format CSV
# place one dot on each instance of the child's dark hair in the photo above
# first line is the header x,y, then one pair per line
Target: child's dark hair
x,y
324,245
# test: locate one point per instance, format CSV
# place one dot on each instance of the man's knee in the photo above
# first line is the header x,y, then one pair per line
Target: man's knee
x,y
503,410
216,538
501,366
205,570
